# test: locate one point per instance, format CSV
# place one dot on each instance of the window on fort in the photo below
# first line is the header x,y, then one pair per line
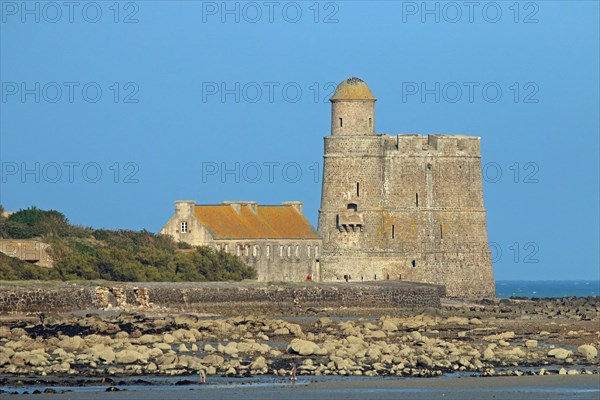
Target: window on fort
x,y
414,263
238,251
417,199
268,250
353,207
289,251
246,250
316,251
341,123
254,251
226,248
280,251
357,189
308,250
370,121
393,231
297,251
441,231
184,227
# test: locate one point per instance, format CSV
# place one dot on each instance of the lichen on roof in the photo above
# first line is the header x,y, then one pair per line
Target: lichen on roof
x,y
267,222
353,89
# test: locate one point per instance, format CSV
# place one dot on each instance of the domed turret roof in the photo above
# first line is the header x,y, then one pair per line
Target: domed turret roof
x,y
352,89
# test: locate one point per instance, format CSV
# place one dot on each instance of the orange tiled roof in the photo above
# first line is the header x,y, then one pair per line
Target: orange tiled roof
x,y
270,222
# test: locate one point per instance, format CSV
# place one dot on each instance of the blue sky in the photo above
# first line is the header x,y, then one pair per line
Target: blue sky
x,y
118,111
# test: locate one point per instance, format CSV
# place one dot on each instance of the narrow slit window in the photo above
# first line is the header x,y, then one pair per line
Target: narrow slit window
x,y
280,251
417,199
254,251
308,250
357,189
414,263
268,250
393,231
441,231
370,122
341,123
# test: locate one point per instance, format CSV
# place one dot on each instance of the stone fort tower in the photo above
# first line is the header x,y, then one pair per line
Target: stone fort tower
x,y
401,207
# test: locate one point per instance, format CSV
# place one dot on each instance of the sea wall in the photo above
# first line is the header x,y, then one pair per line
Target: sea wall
x,y
215,296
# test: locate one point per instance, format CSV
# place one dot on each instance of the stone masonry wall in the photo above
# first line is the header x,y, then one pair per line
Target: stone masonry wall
x,y
217,296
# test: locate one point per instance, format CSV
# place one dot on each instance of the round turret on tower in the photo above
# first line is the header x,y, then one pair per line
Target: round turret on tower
x,y
353,109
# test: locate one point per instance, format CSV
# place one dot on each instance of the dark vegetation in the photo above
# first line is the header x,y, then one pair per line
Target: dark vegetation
x,y
122,255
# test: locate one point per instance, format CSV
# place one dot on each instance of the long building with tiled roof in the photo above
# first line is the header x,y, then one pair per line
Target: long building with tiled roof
x,y
277,240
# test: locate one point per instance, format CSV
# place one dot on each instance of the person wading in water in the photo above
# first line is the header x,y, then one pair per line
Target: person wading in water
x,y
292,371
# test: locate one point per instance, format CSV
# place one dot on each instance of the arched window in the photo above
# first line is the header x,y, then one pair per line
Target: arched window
x,y
352,206
268,250
246,250
254,251
289,251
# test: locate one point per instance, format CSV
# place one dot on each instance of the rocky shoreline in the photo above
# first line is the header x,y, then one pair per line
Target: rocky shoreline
x,y
485,338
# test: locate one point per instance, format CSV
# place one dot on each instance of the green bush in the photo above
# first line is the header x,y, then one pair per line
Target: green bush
x,y
121,255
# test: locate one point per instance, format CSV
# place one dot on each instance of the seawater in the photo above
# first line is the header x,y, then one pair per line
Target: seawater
x,y
506,289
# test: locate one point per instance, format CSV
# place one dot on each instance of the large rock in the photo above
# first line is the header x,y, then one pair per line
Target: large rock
x,y
424,361
168,338
102,353
148,339
71,344
305,348
389,326
4,359
587,351
500,336
231,349
213,359
488,354
128,356
560,354
457,321
377,335
260,364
